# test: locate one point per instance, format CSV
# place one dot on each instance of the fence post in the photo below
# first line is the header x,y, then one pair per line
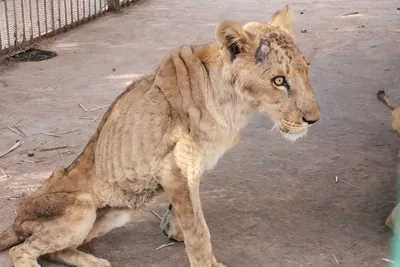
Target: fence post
x,y
113,5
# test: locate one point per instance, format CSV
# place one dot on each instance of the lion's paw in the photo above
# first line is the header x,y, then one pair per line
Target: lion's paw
x,y
170,226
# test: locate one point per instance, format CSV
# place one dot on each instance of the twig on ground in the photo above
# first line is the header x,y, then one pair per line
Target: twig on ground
x,y
18,122
245,230
316,34
77,145
5,162
155,214
11,149
12,129
72,131
100,107
85,109
351,245
393,30
350,14
20,131
17,130
59,134
165,245
336,260
61,154
387,260
54,160
52,148
98,117
344,181
395,80
51,134
4,173
13,197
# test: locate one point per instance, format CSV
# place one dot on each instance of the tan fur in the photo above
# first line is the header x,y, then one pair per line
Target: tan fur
x,y
393,219
163,132
395,117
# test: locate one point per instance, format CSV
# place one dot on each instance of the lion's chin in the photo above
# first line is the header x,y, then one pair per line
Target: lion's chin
x,y
293,136
292,133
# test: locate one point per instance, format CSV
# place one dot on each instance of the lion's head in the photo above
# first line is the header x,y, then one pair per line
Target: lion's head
x,y
269,71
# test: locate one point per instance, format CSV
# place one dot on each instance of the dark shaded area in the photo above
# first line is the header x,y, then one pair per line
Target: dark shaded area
x,y
33,54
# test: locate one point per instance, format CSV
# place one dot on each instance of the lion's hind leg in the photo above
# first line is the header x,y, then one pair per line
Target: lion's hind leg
x,y
75,257
111,218
54,222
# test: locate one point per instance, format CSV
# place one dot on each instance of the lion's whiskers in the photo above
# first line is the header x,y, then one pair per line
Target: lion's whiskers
x,y
274,130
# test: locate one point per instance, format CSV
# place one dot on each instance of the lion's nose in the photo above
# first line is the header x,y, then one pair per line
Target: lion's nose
x,y
309,121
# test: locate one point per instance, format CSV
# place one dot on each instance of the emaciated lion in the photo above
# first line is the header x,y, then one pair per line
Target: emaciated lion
x,y
162,133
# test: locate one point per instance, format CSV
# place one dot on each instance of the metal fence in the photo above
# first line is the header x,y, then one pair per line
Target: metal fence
x,y
24,21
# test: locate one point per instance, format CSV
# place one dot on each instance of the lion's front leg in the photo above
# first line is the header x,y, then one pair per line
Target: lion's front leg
x,y
185,200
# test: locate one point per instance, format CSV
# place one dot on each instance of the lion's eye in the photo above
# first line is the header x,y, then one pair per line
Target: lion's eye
x,y
280,81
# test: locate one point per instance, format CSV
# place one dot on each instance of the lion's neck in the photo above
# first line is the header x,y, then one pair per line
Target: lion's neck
x,y
227,108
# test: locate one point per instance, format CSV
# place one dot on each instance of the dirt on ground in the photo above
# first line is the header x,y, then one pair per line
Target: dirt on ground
x,y
269,202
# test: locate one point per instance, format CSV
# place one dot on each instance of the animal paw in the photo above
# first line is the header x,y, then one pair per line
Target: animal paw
x,y
103,263
215,263
170,225
97,262
26,264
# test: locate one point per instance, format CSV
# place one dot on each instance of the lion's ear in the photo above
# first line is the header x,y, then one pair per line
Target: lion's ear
x,y
230,35
283,19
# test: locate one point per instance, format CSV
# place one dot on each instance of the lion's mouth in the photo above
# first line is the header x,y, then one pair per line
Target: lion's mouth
x,y
292,130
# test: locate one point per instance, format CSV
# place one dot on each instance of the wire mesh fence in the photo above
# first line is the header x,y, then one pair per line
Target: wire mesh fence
x,y
24,21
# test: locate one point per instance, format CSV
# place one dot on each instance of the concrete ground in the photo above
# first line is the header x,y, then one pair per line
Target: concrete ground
x,y
269,202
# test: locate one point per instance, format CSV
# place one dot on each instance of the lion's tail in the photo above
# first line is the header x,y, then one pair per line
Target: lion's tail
x,y
8,238
389,102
